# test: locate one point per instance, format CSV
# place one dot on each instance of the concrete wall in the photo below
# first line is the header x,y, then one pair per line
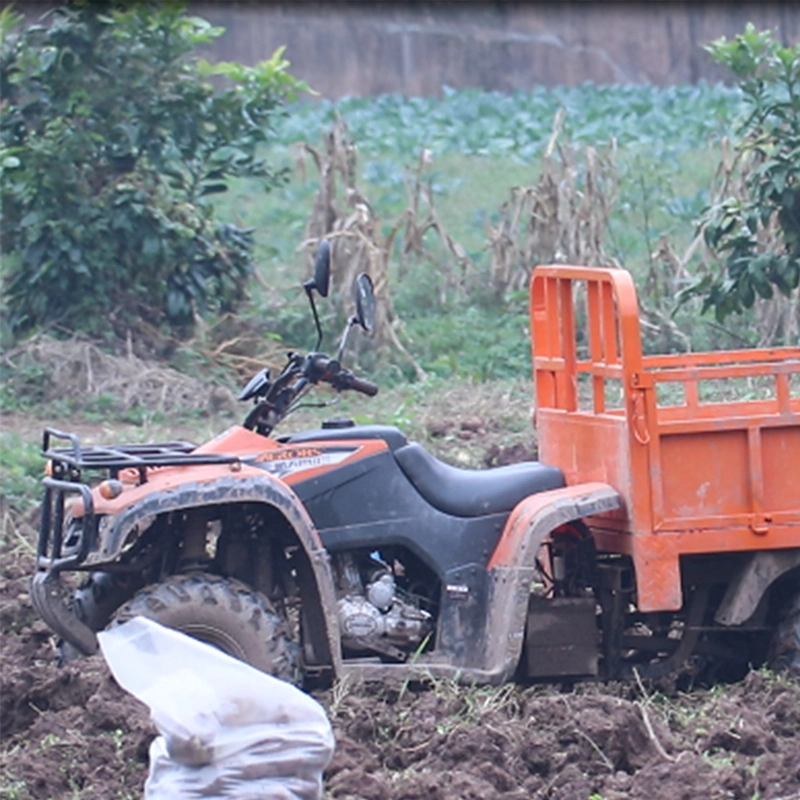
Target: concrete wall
x,y
366,48
416,48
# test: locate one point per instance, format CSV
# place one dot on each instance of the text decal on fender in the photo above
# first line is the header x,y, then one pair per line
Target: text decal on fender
x,y
287,461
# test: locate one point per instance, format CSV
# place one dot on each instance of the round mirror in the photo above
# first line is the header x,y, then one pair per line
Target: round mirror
x,y
365,302
322,268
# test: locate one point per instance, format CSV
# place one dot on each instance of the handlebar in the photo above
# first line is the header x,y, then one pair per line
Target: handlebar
x,y
280,397
328,370
360,385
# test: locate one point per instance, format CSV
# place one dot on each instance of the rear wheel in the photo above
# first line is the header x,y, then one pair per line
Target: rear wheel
x,y
785,648
222,612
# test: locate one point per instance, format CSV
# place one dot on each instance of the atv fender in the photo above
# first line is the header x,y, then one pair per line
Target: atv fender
x,y
119,531
512,566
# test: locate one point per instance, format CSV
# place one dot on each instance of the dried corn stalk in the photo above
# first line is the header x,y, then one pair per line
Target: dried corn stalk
x,y
418,219
358,243
561,219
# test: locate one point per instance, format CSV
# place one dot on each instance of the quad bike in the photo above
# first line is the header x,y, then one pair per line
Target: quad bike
x,y
349,550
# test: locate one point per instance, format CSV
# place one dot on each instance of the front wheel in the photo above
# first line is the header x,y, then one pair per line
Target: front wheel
x,y
222,612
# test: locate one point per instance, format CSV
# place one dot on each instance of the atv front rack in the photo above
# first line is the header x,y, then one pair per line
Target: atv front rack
x,y
66,465
67,462
64,540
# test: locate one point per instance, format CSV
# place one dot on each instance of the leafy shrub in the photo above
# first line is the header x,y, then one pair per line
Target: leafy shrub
x,y
736,228
113,142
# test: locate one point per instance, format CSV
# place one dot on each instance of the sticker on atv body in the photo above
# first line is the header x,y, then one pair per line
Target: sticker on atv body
x,y
299,459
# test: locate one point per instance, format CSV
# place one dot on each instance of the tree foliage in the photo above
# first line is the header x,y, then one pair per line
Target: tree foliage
x,y
113,143
769,77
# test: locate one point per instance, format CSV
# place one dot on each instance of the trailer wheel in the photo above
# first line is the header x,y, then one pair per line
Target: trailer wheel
x,y
785,647
224,613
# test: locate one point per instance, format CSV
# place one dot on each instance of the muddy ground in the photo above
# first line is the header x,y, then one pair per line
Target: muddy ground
x,y
70,732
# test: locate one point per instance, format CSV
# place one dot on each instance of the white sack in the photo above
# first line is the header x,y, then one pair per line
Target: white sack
x,y
227,730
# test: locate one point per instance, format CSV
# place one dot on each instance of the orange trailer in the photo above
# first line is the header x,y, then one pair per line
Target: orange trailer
x,y
704,448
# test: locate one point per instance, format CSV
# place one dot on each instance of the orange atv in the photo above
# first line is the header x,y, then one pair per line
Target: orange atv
x,y
652,538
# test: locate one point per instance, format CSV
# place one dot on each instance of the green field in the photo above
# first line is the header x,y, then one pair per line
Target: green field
x,y
483,143
665,144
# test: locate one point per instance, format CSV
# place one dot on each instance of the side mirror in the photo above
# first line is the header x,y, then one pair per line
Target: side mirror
x,y
322,270
364,294
320,282
365,302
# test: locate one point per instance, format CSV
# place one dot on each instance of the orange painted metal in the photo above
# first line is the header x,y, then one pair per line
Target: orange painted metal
x,y
510,549
306,461
698,474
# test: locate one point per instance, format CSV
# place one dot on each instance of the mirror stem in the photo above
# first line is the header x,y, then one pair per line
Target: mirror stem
x,y
343,343
309,293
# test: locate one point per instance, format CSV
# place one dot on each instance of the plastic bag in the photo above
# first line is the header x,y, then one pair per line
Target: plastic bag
x,y
227,730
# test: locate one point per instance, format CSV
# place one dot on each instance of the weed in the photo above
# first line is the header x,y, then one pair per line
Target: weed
x,y
50,740
341,690
118,737
17,790
21,470
718,759
22,385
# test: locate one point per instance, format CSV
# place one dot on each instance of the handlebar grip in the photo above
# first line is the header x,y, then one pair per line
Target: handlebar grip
x,y
365,387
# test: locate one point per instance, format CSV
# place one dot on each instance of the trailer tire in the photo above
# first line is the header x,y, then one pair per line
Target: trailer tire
x,y
222,612
785,647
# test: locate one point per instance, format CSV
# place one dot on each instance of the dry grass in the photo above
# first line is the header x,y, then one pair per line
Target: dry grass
x,y
77,370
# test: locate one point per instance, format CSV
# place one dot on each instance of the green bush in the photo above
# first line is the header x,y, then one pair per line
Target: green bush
x,y
112,143
769,77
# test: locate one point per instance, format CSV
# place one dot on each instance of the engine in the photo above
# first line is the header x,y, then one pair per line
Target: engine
x,y
374,614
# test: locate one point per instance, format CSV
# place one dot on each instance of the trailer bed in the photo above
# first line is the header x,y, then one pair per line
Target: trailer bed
x,y
703,447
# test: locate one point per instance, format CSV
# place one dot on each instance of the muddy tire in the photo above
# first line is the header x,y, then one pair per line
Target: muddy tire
x,y
785,647
222,612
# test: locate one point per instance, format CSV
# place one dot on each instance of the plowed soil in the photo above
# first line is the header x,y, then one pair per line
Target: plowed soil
x,y
71,732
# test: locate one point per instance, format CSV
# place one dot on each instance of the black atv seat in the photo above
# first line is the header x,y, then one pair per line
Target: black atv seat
x,y
393,437
474,493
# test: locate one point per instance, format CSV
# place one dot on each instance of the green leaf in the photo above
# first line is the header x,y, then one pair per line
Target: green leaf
x,y
31,218
47,57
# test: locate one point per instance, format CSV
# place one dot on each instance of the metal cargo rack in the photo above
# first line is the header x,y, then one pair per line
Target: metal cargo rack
x,y
69,461
67,464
